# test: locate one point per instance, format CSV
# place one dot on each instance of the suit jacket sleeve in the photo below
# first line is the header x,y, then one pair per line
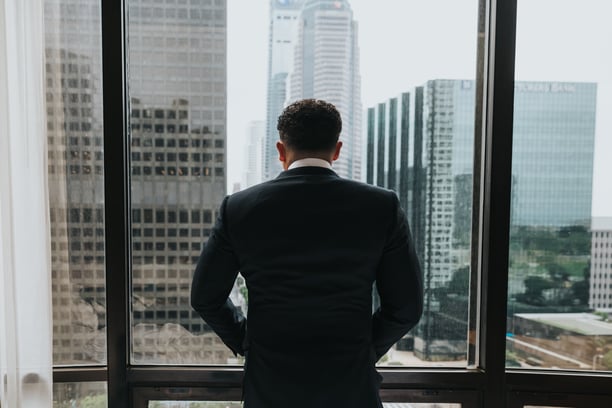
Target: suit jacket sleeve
x,y
212,283
399,284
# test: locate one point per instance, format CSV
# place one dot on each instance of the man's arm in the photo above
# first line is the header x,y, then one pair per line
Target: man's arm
x,y
399,284
212,283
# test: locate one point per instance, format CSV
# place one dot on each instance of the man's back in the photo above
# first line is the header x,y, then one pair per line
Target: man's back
x,y
309,245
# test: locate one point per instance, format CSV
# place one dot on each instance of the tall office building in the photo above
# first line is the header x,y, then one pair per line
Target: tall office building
x,y
420,144
553,145
600,291
177,85
253,154
326,66
283,29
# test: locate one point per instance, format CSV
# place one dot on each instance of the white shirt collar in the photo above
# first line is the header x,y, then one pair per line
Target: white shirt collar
x,y
310,162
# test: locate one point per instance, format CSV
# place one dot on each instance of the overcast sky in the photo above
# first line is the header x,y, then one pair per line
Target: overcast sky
x,y
404,43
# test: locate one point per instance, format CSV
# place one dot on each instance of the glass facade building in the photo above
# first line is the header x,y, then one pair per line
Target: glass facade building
x,y
554,135
420,144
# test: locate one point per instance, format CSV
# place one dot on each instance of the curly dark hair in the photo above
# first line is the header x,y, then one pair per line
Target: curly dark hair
x,y
310,125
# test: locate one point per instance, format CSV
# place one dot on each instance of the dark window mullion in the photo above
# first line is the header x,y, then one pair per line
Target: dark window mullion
x,y
496,189
116,193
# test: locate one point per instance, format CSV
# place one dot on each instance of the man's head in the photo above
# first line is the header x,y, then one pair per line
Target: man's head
x,y
309,128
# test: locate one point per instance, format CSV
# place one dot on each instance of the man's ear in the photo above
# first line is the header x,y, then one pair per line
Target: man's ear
x,y
337,151
282,151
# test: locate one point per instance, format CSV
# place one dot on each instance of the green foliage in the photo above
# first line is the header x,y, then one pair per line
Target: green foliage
x,y
534,288
558,262
580,292
570,240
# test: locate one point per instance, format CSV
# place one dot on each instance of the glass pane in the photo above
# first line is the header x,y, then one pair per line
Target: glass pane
x,y
560,276
196,136
420,144
177,88
75,173
82,394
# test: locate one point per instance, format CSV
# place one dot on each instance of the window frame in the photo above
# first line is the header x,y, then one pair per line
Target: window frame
x,y
489,384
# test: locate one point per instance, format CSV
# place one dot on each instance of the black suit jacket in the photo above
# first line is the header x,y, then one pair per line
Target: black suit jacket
x,y
310,245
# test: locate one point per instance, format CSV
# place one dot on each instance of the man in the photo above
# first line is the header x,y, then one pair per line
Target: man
x,y
310,245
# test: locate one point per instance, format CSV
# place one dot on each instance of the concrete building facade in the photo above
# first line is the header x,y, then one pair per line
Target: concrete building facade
x,y
600,291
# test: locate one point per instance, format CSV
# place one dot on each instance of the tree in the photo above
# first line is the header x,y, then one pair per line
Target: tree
x,y
534,286
580,289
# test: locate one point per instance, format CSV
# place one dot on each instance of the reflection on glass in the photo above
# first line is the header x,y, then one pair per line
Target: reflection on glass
x,y
75,175
179,123
82,394
559,292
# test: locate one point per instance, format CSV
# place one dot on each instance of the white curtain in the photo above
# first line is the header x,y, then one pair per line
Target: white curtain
x,y
25,264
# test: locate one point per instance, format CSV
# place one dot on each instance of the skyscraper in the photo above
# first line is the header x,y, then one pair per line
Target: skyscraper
x,y
553,145
253,153
326,66
283,28
177,85
426,137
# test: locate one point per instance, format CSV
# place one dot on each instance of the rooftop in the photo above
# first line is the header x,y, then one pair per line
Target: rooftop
x,y
587,324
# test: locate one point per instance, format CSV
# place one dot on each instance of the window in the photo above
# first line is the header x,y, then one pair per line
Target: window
x,y
77,257
420,126
557,318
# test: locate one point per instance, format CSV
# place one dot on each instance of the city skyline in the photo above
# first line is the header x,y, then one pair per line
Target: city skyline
x,y
389,21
